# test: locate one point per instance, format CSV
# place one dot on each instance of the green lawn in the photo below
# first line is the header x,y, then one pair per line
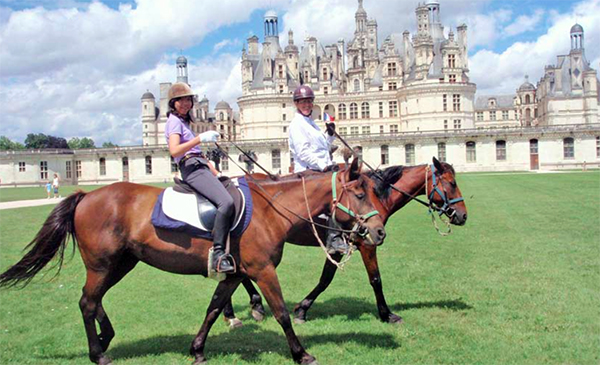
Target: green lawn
x,y
518,284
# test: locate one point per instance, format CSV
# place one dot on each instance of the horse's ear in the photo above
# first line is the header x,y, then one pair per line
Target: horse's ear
x,y
354,170
437,164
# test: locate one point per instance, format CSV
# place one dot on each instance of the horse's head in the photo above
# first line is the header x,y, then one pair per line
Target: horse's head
x,y
353,207
443,192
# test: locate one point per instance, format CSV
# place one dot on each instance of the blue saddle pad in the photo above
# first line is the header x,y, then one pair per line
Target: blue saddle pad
x,y
162,220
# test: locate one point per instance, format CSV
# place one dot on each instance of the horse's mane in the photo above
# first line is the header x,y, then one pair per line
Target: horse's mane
x,y
384,179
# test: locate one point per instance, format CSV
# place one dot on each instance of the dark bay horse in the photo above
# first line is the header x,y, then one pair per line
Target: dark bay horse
x,y
413,181
111,227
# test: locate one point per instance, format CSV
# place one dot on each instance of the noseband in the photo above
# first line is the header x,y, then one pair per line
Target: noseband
x,y
359,228
445,208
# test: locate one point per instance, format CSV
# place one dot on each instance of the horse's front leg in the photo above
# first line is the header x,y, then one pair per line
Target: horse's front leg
x,y
326,278
369,256
269,285
220,298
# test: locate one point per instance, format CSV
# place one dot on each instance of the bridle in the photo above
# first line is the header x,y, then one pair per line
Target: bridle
x,y
446,206
359,228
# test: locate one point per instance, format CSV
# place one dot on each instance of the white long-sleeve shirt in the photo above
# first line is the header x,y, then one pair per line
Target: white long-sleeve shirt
x,y
308,145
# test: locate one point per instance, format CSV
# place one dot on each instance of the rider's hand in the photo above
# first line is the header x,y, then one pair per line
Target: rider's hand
x,y
330,128
210,136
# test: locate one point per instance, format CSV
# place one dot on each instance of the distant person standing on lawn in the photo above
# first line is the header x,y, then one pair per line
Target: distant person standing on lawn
x,y
55,184
49,189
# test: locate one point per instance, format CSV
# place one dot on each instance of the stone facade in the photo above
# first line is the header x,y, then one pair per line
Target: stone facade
x,y
567,94
401,103
404,85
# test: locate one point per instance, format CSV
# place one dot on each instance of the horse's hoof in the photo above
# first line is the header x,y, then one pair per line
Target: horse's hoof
x,y
309,360
258,316
234,323
104,360
395,319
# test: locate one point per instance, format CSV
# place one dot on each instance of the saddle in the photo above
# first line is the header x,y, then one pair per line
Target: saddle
x,y
182,208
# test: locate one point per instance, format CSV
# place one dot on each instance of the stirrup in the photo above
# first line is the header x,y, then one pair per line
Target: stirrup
x,y
229,259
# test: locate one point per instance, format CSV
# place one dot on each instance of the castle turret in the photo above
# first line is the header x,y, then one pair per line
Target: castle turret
x,y
182,71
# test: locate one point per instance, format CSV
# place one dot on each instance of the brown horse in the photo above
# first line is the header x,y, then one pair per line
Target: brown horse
x,y
112,229
394,188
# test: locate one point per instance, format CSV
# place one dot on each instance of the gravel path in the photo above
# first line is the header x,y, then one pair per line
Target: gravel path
x,y
29,203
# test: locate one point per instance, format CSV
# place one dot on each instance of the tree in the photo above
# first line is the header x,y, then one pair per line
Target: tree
x,y
57,142
87,143
40,140
6,144
36,141
76,143
109,145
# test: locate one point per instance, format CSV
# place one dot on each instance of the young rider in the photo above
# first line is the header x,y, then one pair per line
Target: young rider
x,y
196,170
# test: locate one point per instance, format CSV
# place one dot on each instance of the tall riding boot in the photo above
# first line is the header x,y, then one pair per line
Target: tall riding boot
x,y
335,243
221,260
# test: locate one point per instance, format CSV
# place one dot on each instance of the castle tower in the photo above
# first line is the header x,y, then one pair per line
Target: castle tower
x,y
182,71
149,119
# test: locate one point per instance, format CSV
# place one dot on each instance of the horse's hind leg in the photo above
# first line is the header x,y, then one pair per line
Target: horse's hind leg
x,y
97,284
326,278
122,268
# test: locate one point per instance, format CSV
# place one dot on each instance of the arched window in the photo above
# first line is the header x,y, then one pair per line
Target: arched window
x,y
442,151
353,111
409,153
342,110
501,150
102,166
471,152
569,147
365,112
385,154
221,116
356,85
533,146
527,99
148,165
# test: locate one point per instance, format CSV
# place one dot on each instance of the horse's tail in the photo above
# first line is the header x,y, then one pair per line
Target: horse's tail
x,y
49,241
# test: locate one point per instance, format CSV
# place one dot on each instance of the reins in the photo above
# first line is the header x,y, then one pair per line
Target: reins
x,y
272,199
430,205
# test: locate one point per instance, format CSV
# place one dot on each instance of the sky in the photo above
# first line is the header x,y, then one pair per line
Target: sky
x,y
73,68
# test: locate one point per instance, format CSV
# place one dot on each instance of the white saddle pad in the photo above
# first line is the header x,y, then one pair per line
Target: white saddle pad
x,y
184,207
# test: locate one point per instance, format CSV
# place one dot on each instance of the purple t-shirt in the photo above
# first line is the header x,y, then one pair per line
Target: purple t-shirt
x,y
176,126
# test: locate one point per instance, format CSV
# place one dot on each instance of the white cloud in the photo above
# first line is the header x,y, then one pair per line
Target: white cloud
x,y
524,23
80,70
501,73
